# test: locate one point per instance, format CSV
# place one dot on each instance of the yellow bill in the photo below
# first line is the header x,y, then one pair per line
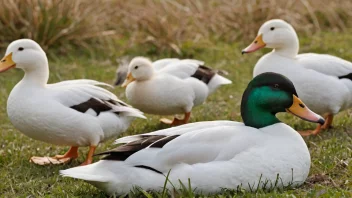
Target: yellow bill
x,y
128,80
258,43
7,63
300,110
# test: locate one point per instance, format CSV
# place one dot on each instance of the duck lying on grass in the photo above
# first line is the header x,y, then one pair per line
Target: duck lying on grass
x,y
323,82
214,154
170,86
71,113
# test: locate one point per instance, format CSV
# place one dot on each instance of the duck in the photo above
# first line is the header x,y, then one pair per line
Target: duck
x,y
323,81
73,113
121,71
212,155
170,86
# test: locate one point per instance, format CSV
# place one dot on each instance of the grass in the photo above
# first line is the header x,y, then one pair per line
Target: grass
x,y
331,151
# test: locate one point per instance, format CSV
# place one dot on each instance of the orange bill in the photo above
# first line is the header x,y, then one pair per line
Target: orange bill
x,y
258,43
300,110
7,63
128,80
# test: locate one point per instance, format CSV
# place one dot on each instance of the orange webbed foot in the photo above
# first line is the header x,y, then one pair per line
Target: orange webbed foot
x,y
48,160
72,153
175,121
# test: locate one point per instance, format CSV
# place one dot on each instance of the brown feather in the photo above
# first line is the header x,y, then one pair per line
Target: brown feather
x,y
204,74
122,152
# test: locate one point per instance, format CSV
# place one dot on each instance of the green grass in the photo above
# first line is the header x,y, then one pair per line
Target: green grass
x,y
331,151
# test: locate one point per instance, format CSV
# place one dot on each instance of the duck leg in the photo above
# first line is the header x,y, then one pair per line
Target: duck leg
x,y
328,121
311,132
176,121
72,153
89,159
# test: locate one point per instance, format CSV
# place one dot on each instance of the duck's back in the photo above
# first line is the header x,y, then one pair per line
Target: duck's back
x,y
331,66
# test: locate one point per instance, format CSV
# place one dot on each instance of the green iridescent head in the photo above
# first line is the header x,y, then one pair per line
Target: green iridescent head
x,y
270,93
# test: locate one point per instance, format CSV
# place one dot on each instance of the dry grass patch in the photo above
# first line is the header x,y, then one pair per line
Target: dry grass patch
x,y
161,25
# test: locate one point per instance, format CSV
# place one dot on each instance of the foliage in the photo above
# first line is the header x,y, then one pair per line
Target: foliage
x,y
160,25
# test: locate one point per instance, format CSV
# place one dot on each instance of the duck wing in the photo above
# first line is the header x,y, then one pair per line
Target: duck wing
x,y
326,64
84,96
199,143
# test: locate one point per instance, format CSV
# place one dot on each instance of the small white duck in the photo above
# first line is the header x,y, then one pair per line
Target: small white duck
x,y
323,82
170,86
215,154
71,113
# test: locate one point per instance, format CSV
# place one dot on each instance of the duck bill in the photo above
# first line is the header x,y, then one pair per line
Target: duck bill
x,y
121,77
128,80
7,63
257,44
300,110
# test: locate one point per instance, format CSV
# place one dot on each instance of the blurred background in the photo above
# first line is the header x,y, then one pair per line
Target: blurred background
x,y
174,27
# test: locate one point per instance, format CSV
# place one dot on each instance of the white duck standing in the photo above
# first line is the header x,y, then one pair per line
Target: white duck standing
x,y
71,113
214,155
170,86
323,82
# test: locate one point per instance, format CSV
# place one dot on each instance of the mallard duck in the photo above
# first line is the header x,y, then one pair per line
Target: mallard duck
x,y
260,152
323,82
170,86
72,113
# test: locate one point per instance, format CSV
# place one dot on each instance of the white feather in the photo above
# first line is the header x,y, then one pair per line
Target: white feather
x,y
167,86
213,155
47,112
315,76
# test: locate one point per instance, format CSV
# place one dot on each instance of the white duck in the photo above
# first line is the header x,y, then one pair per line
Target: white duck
x,y
214,154
170,86
324,82
71,113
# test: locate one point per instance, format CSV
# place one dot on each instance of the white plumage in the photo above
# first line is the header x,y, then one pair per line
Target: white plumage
x,y
216,154
170,86
322,81
71,113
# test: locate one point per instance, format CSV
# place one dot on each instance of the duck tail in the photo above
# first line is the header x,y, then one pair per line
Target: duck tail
x,y
216,82
116,177
129,111
88,173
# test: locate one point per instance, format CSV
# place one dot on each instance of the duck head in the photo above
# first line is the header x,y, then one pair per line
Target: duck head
x,y
271,93
139,69
25,54
278,35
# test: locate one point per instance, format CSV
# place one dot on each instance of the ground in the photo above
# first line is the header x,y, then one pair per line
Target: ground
x,y
331,151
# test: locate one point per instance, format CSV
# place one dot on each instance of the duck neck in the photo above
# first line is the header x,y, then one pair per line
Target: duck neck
x,y
289,49
253,114
37,76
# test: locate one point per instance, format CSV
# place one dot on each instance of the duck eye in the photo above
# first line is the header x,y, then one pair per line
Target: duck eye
x,y
20,49
135,67
272,28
